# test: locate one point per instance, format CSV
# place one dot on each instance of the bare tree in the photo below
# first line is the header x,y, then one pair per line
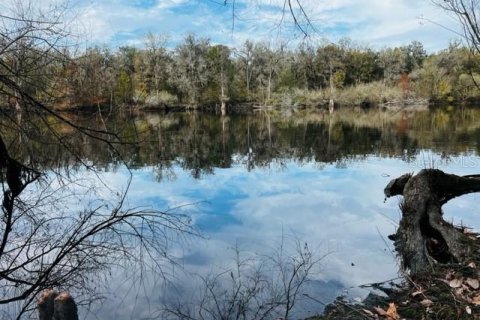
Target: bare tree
x,y
191,65
29,39
54,232
466,12
300,17
256,287
246,59
289,8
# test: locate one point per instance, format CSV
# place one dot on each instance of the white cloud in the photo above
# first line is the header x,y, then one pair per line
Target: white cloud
x,y
376,23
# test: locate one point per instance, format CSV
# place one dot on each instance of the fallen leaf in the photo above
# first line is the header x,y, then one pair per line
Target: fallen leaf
x,y
455,283
468,309
416,293
476,300
473,283
426,303
392,312
370,313
472,265
380,311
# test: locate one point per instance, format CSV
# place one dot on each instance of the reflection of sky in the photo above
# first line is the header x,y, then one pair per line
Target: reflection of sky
x,y
337,210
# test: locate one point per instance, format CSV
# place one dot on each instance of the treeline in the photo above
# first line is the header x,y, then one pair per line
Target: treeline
x,y
199,73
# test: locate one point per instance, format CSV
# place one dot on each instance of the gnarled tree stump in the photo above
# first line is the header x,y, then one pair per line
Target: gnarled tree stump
x,y
423,237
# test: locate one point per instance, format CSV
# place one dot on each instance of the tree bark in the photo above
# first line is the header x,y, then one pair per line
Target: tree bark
x,y
424,238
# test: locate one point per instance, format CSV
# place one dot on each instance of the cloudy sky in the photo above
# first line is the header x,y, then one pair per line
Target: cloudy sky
x,y
376,23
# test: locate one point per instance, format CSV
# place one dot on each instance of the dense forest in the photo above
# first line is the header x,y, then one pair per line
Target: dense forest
x,y
199,73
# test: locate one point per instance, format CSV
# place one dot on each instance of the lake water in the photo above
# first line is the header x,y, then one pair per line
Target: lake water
x,y
257,181
274,180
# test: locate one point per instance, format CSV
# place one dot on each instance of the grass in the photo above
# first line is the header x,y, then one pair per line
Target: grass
x,y
372,93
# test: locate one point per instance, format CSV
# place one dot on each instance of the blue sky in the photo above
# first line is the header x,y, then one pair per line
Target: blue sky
x,y
376,23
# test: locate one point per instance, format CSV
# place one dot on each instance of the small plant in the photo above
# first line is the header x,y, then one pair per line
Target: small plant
x,y
255,287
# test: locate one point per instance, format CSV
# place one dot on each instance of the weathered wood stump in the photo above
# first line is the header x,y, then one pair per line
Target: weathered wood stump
x,y
423,238
56,306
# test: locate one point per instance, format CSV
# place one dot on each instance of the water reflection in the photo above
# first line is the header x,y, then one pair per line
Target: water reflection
x,y
335,209
253,179
201,143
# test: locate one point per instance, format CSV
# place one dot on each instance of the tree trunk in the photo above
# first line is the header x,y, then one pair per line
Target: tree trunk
x,y
331,103
424,238
331,106
223,109
248,80
223,98
269,87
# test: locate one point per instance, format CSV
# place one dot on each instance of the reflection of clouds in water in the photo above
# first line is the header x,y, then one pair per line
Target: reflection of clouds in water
x,y
331,208
463,211
337,210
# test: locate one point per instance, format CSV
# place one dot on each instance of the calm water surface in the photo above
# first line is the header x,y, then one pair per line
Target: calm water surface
x,y
249,181
255,180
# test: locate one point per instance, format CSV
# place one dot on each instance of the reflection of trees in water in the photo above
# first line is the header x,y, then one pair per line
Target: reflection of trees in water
x,y
63,226
255,286
199,143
